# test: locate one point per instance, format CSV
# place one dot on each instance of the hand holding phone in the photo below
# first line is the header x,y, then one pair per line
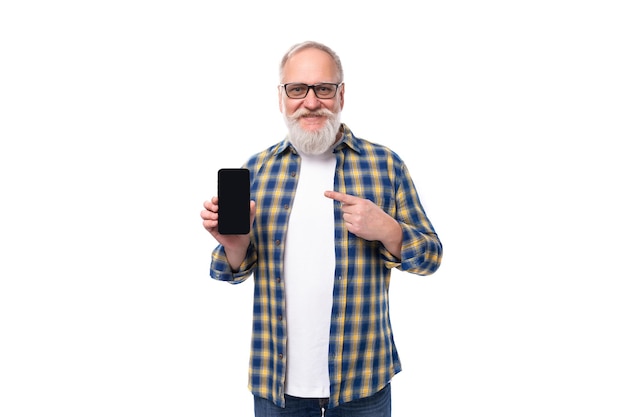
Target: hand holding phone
x,y
233,192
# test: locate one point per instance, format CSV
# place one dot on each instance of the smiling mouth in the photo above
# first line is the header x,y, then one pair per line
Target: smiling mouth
x,y
313,118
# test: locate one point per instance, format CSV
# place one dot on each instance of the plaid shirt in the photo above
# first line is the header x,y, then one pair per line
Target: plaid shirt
x,y
362,353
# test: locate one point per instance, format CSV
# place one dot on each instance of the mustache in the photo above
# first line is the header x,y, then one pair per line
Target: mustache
x,y
306,113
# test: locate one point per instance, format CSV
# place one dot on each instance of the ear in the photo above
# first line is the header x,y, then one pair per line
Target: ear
x,y
341,92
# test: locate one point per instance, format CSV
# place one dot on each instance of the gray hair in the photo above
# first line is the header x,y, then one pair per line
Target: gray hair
x,y
311,44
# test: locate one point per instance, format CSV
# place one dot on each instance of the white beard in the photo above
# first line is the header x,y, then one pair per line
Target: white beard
x,y
317,142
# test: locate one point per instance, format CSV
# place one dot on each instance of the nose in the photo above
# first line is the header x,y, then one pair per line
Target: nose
x,y
310,100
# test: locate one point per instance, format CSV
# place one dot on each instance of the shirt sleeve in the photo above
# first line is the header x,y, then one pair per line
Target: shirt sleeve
x,y
421,250
220,268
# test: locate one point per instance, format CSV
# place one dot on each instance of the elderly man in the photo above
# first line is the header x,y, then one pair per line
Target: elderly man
x,y
331,215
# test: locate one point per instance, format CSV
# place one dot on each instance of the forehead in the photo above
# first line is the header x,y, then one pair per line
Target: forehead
x,y
311,66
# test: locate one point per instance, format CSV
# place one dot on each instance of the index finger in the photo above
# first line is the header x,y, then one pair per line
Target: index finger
x,y
341,197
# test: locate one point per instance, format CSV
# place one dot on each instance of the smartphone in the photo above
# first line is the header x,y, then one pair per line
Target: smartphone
x,y
233,193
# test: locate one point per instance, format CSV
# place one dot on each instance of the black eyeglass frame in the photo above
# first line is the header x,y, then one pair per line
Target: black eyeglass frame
x,y
309,87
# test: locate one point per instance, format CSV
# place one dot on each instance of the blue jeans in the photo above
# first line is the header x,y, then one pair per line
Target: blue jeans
x,y
378,405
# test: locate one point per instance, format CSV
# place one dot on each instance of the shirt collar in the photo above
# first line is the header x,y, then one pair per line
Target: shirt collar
x,y
348,140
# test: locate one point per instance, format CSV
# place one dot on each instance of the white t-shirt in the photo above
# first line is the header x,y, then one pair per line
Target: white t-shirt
x,y
309,277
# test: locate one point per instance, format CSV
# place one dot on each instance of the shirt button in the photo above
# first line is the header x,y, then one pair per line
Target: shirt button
x,y
293,174
278,280
277,242
280,356
280,317
286,206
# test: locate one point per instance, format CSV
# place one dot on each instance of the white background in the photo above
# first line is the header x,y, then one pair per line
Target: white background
x,y
115,117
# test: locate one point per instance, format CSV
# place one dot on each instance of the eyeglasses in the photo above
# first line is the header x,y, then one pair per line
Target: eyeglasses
x,y
300,90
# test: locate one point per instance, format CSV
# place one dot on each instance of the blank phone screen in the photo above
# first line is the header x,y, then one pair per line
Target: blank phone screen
x,y
233,192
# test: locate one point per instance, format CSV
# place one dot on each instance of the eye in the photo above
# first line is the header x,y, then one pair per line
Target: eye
x,y
296,88
325,90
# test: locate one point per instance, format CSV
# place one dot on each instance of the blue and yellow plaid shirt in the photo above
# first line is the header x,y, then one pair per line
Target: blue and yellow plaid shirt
x,y
362,353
